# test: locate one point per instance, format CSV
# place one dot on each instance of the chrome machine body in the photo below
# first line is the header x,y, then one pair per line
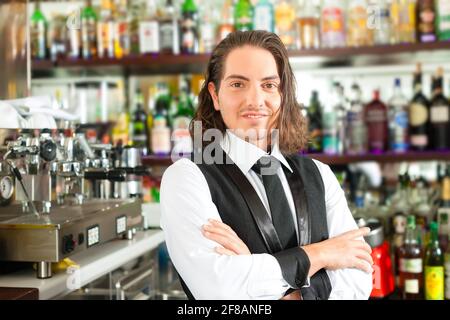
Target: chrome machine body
x,y
57,198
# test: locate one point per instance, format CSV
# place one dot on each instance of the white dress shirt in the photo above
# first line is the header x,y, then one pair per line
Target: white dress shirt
x,y
186,205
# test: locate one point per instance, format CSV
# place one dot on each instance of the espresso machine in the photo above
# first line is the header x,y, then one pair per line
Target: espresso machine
x,y
58,198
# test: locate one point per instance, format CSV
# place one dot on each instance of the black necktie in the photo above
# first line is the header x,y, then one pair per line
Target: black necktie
x,y
282,220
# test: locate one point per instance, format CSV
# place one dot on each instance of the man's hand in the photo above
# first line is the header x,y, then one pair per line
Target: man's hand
x,y
221,233
347,250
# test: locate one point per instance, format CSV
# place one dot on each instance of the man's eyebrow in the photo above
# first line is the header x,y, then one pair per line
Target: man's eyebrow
x,y
237,76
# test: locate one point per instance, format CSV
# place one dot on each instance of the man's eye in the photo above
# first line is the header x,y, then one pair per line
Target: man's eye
x,y
237,85
270,85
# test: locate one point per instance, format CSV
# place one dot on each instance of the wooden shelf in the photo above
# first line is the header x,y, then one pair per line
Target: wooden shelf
x,y
169,64
389,157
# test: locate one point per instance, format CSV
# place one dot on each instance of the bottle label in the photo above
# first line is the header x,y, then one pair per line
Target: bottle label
x,y
418,114
148,37
263,18
376,116
207,37
439,114
411,265
166,31
434,283
447,275
419,140
412,286
444,15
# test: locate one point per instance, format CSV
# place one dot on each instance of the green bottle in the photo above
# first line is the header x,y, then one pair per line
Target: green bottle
x,y
38,33
314,115
140,131
189,27
243,15
88,31
434,267
443,19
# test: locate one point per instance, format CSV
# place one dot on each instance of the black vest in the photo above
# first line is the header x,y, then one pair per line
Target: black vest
x,y
235,212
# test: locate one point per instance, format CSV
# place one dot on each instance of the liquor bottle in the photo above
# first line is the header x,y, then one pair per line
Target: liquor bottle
x,y
182,142
285,23
419,114
208,27
425,21
439,115
149,30
447,271
443,212
434,267
375,115
358,33
38,33
189,27
139,134
89,31
398,236
356,137
57,37
121,33
74,39
263,18
403,21
243,15
314,113
411,263
308,23
169,30
160,133
341,115
227,24
105,31
330,123
381,23
398,120
135,14
443,19
332,25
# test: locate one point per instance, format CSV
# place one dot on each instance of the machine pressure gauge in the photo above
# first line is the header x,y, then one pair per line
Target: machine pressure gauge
x,y
6,190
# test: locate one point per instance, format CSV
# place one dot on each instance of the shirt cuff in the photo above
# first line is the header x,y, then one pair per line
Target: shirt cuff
x,y
295,266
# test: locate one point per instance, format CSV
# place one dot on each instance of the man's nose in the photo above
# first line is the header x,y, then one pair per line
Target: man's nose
x,y
255,97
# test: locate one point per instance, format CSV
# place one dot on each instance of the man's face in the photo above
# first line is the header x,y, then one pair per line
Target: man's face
x,y
248,97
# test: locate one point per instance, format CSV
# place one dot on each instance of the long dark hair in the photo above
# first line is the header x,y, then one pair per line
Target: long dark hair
x,y
290,122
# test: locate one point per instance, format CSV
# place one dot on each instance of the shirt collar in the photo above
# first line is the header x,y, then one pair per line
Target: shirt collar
x,y
245,154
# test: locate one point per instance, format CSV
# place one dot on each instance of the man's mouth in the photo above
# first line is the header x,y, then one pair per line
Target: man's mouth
x,y
254,115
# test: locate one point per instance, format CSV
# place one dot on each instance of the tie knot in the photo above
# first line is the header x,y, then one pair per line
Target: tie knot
x,y
266,165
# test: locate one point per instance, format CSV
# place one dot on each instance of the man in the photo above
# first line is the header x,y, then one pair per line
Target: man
x,y
264,223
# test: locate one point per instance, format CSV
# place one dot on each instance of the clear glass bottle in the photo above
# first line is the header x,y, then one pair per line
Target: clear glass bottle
x,y
358,33
263,18
332,24
380,21
149,30
285,27
356,138
226,25
308,22
169,32
398,120
105,31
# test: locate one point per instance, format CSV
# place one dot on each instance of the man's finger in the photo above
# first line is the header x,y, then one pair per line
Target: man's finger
x,y
224,241
356,233
219,230
223,251
222,226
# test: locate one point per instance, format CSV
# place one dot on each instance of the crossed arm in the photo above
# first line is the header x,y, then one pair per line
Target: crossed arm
x,y
343,251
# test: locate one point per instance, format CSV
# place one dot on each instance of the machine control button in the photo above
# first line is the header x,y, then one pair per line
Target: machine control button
x,y
68,243
80,238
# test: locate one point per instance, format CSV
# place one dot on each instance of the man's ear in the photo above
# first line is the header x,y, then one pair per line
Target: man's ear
x,y
213,93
